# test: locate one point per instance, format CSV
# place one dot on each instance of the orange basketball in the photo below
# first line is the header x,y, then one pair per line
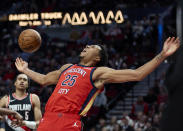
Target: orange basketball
x,y
29,40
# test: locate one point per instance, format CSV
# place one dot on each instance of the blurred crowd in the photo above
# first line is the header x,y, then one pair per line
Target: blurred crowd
x,y
145,115
129,46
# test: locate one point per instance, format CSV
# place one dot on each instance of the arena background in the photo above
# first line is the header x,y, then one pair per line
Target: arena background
x,y
133,31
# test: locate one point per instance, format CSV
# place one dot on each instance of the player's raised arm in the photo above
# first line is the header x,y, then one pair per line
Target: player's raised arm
x,y
108,75
48,79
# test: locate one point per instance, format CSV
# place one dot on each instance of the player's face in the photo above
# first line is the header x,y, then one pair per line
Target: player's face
x,y
21,82
90,52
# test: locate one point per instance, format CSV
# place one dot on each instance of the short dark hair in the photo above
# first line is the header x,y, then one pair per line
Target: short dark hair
x,y
103,56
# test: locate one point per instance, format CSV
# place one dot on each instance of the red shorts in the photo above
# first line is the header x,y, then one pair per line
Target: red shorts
x,y
60,122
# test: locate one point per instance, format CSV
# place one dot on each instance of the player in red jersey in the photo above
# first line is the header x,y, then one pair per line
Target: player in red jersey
x,y
78,85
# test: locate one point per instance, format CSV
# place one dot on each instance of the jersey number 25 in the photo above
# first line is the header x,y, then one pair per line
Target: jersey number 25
x,y
69,80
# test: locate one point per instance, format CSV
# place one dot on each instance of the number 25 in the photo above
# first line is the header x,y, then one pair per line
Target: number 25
x,y
69,80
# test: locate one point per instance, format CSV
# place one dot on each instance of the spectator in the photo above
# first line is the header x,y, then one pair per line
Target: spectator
x,y
116,127
139,106
126,124
101,124
126,116
163,96
140,124
151,97
156,122
112,123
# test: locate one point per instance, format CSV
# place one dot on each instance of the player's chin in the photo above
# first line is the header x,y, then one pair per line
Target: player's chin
x,y
81,55
23,87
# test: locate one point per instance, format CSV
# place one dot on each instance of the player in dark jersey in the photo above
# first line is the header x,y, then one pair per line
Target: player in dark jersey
x,y
26,104
79,84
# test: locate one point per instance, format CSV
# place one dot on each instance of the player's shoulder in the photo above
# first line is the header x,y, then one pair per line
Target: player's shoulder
x,y
64,67
34,97
101,70
35,100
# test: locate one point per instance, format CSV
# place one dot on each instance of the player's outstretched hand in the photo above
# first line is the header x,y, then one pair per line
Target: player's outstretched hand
x,y
18,116
21,65
170,46
17,120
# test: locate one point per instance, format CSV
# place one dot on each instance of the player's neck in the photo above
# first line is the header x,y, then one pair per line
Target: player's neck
x,y
20,93
89,63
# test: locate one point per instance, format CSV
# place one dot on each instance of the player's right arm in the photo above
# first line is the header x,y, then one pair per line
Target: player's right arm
x,y
5,111
49,79
3,104
3,101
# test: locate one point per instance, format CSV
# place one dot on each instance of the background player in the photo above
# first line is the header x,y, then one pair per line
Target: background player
x,y
28,105
78,85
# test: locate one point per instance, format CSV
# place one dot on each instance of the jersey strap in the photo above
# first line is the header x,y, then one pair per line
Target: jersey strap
x,y
91,97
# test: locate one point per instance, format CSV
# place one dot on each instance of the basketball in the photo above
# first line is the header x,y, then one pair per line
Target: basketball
x,y
29,40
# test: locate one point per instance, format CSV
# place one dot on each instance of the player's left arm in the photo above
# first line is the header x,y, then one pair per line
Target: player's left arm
x,y
37,108
108,75
37,113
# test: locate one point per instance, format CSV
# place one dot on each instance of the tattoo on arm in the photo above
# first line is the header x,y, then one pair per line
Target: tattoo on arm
x,y
159,57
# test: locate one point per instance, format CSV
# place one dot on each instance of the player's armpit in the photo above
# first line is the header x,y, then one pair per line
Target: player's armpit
x,y
53,77
109,75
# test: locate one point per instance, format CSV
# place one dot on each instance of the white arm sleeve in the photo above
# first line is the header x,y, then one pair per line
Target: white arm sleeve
x,y
30,124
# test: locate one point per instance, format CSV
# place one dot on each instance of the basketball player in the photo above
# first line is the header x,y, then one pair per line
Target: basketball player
x,y
26,104
79,84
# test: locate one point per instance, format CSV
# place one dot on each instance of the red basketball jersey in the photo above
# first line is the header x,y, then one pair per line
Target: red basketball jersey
x,y
74,92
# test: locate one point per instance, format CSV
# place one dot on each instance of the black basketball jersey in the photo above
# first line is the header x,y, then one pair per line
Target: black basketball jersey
x,y
24,107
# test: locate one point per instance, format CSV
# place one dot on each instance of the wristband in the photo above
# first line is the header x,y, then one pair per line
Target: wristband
x,y
30,124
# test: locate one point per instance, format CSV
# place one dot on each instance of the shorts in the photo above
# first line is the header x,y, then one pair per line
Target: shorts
x,y
60,122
